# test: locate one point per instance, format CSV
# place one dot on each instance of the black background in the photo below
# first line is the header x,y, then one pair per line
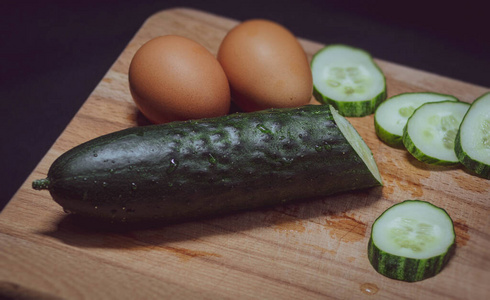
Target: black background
x,y
54,53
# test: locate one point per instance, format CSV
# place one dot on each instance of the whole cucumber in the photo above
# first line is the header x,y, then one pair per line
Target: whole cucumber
x,y
192,169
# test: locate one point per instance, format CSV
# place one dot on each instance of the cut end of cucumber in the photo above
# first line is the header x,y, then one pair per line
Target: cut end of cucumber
x,y
411,241
356,141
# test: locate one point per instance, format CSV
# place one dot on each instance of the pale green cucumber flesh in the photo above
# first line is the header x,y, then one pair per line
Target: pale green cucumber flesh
x,y
472,145
356,141
348,79
391,115
431,130
411,241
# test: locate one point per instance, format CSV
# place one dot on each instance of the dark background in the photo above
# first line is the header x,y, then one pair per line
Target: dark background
x,y
54,53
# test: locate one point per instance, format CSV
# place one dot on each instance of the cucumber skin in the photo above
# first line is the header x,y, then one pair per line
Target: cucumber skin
x,y
394,141
352,109
477,167
186,170
421,156
405,268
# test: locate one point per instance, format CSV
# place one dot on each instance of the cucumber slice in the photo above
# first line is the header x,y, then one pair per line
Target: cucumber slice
x,y
411,241
349,79
472,145
431,130
392,115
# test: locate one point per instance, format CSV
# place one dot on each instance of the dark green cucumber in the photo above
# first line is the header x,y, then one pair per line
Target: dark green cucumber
x,y
186,170
411,241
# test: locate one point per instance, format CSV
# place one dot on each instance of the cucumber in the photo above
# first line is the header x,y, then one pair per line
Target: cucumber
x,y
411,241
348,79
392,115
188,170
431,130
472,144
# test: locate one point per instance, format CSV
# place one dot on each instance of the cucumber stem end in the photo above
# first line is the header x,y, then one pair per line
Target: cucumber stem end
x,y
41,184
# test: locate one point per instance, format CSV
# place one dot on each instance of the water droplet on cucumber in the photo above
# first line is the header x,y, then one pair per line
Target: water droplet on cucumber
x,y
263,129
172,166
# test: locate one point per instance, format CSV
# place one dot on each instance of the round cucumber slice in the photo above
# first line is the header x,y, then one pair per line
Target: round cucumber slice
x,y
392,115
348,79
431,130
472,144
411,241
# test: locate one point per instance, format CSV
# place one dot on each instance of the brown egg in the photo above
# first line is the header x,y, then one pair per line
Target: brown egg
x,y
173,78
266,66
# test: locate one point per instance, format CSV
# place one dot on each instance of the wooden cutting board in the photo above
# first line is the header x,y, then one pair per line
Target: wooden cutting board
x,y
310,250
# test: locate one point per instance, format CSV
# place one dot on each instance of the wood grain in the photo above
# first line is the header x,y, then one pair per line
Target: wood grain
x,y
310,250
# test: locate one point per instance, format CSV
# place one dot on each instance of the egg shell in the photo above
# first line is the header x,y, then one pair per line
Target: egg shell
x,y
173,78
266,66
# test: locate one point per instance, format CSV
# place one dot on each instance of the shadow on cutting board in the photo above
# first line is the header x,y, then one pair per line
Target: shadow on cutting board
x,y
332,212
